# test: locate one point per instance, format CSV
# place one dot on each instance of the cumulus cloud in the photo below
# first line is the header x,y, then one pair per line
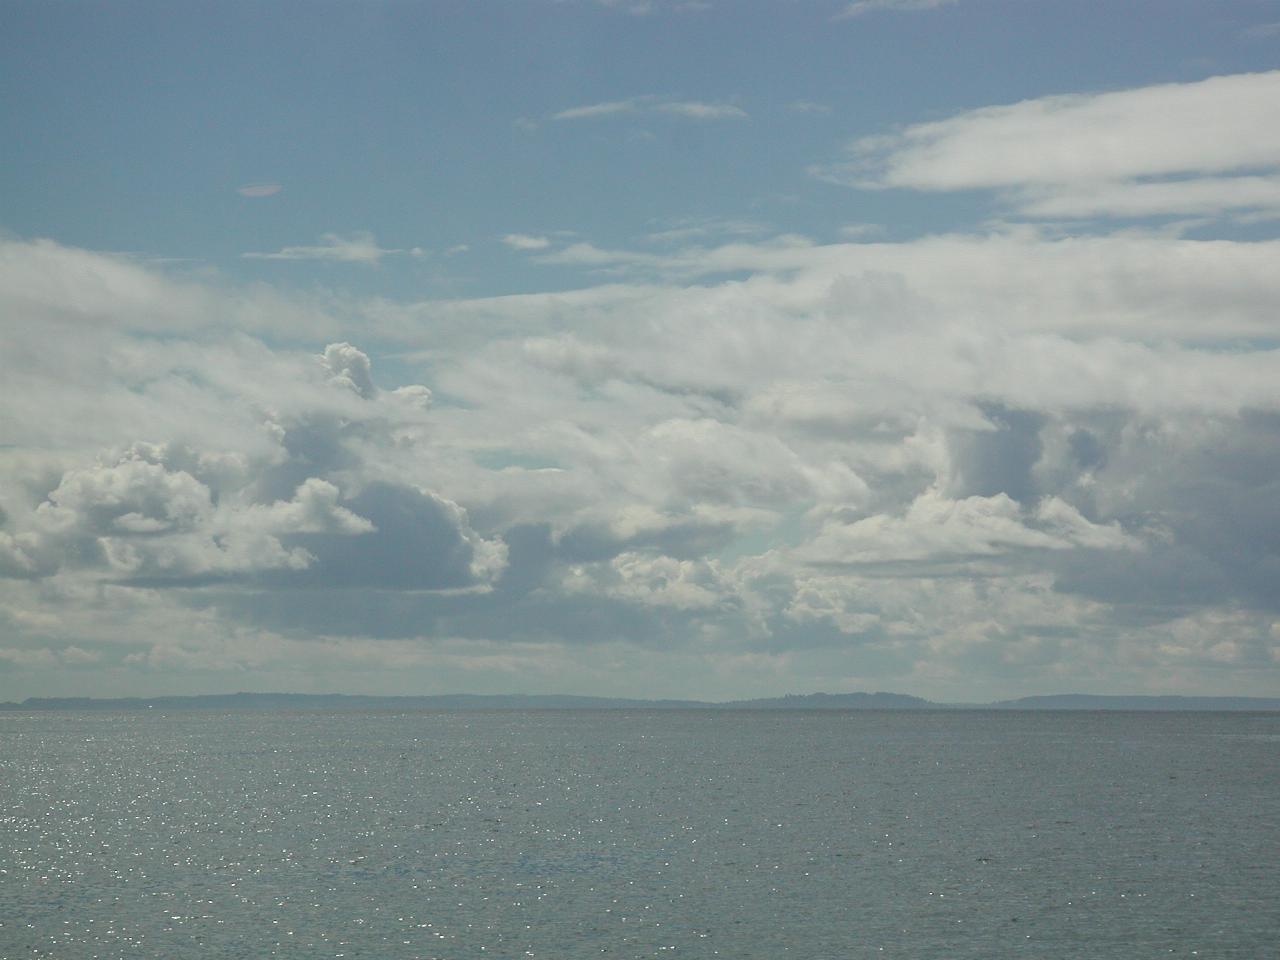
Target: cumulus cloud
x,y
19,555
140,521
423,542
284,502
141,518
132,496
313,509
350,367
648,580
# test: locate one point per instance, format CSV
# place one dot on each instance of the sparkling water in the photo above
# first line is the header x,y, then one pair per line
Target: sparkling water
x,y
640,834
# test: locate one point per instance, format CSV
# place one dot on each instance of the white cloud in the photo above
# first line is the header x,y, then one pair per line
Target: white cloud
x,y
1141,285
935,527
349,366
357,248
652,105
652,581
697,110
593,110
862,7
139,518
1189,196
1208,146
694,261
132,496
313,509
67,284
261,189
709,461
524,241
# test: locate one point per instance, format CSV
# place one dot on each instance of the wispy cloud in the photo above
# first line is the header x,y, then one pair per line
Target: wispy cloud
x,y
357,248
807,106
689,228
1189,195
860,231
1124,153
596,110
696,110
783,253
258,189
1261,31
636,8
891,6
645,8
523,241
652,105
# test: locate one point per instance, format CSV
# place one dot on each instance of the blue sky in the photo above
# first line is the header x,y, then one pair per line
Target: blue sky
x,y
430,126
688,349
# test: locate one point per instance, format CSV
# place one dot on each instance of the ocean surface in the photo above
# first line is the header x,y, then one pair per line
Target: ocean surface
x,y
640,834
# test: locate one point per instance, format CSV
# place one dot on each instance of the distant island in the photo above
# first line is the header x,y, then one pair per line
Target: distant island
x,y
811,701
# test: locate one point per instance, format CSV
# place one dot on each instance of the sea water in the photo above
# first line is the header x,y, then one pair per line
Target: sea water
x,y
732,834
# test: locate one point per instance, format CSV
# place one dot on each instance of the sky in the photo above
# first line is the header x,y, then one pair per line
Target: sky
x,y
640,347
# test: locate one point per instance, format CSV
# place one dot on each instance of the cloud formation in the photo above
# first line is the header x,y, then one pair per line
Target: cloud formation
x,y
1179,148
728,462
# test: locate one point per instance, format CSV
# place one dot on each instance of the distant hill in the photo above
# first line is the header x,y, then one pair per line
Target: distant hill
x,y
329,702
836,701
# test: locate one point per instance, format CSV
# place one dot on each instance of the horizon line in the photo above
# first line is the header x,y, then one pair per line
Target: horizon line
x,y
904,700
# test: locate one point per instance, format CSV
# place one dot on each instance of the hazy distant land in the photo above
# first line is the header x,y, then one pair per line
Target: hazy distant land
x,y
813,701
